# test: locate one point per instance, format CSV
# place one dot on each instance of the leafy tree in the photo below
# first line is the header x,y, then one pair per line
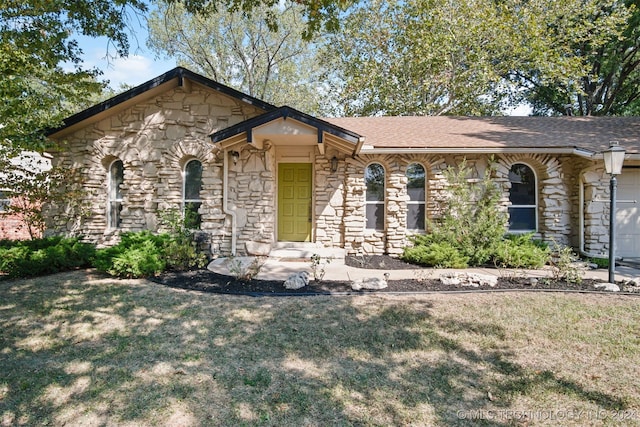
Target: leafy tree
x,y
471,57
420,57
41,74
318,14
243,52
578,56
33,185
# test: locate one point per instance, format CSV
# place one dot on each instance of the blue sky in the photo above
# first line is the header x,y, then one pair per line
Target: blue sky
x,y
141,64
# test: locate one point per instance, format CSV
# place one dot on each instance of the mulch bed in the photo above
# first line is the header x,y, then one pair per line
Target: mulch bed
x,y
207,281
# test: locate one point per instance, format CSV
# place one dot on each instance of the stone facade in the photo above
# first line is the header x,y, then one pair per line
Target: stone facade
x,y
156,137
154,140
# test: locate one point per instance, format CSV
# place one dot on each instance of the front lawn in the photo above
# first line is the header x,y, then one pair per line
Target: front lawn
x,y
81,348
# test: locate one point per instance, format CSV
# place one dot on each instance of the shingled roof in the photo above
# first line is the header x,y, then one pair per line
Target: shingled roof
x,y
590,134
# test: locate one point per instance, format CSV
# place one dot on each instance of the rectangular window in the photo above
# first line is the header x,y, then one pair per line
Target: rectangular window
x,y
374,200
116,179
415,216
522,218
416,192
5,201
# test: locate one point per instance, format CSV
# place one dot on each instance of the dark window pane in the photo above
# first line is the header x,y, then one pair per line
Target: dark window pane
x,y
117,178
374,179
415,182
114,214
375,216
523,185
522,219
415,216
192,180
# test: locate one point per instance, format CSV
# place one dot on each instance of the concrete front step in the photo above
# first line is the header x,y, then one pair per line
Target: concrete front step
x,y
304,251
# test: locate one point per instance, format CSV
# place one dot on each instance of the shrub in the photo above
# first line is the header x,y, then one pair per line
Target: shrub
x,y
179,247
139,254
521,251
43,256
470,227
600,262
442,255
140,260
566,265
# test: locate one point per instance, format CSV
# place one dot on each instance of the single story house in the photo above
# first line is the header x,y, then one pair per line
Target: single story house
x,y
252,175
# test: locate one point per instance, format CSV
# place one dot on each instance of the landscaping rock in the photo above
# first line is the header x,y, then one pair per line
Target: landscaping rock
x,y
258,248
610,287
297,280
474,280
371,283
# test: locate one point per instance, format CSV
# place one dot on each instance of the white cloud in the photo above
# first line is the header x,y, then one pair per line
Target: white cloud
x,y
132,70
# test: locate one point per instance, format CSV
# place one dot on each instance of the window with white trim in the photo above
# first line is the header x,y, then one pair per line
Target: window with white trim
x,y
5,201
116,178
416,192
523,211
191,202
374,177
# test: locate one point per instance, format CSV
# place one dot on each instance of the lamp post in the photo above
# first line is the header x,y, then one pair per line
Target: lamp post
x,y
613,159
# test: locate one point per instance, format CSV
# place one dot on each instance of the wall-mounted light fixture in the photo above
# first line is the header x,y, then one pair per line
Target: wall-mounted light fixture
x,y
334,164
235,156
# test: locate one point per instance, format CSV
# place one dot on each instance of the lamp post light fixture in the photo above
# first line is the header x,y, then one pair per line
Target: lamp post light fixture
x,y
613,160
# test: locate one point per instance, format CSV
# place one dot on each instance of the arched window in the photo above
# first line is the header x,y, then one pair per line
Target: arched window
x,y
374,180
191,201
116,178
523,198
416,193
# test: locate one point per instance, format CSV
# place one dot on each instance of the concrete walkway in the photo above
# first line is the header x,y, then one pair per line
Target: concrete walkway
x,y
280,269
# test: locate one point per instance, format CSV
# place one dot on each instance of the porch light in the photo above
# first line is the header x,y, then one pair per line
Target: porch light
x,y
234,156
613,160
334,164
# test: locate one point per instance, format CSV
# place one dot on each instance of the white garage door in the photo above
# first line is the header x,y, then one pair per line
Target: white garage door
x,y
628,214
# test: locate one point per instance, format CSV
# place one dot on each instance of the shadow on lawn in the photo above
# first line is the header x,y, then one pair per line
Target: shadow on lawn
x,y
100,351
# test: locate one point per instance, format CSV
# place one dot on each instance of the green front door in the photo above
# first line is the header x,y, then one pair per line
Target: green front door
x,y
294,202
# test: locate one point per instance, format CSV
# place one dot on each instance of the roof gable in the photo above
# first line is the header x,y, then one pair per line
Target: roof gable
x,y
177,77
306,125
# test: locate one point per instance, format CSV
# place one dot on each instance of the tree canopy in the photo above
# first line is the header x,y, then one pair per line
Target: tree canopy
x,y
42,75
270,63
472,57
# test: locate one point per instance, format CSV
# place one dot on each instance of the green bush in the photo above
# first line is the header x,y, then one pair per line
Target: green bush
x,y
600,262
139,254
442,255
140,260
470,227
143,254
43,256
180,249
521,251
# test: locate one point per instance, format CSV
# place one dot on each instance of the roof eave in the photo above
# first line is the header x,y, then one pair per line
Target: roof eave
x,y
478,150
173,78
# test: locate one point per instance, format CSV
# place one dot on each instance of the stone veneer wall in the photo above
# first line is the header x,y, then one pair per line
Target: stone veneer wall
x,y
154,139
596,209
252,186
557,179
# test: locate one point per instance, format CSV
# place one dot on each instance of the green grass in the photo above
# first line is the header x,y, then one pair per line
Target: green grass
x,y
82,349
